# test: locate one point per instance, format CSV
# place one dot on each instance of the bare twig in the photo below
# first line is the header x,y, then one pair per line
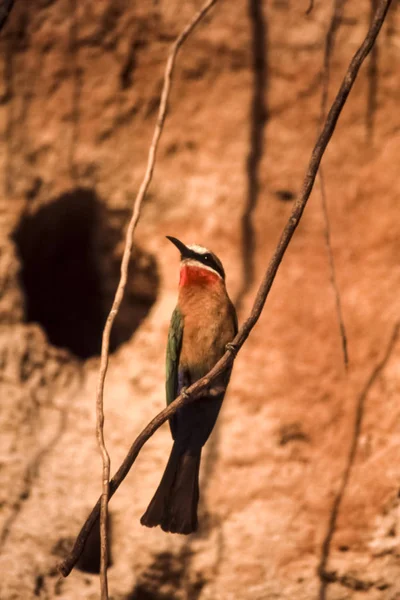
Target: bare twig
x,y
199,387
329,45
121,287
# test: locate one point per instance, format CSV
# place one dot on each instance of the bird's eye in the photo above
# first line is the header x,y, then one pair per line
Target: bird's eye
x,y
206,257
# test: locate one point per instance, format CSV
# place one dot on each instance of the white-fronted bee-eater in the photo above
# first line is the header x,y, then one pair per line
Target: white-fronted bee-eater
x,y
202,324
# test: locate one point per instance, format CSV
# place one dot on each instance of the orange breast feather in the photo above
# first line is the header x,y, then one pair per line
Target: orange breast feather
x,y
209,323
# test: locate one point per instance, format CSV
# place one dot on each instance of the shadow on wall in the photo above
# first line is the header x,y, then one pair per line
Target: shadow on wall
x,y
70,265
168,578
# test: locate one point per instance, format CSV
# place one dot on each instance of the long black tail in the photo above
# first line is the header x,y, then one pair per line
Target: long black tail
x,y
174,505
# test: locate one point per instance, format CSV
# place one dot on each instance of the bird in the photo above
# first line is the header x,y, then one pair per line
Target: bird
x,y
202,326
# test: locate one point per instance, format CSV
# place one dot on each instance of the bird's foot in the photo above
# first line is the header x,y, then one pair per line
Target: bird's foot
x,y
232,348
184,393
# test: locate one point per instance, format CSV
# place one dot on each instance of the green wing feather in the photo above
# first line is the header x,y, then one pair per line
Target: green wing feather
x,y
174,346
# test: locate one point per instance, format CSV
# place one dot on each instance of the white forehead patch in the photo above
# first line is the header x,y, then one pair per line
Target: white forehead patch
x,y
198,249
191,262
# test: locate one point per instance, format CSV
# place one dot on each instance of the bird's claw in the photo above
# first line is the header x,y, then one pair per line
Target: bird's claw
x,y
232,348
184,393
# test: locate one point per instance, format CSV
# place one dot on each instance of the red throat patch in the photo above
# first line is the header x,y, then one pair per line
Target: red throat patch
x,y
191,275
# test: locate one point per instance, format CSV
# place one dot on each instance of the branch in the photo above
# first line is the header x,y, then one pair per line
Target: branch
x,y
121,287
198,388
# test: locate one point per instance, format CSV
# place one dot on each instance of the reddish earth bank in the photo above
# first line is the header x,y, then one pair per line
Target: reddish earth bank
x,y
302,474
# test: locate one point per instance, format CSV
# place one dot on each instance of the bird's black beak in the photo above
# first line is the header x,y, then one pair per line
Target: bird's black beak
x,y
184,250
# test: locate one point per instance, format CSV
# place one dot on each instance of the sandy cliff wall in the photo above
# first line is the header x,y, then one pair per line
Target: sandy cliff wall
x,y
303,468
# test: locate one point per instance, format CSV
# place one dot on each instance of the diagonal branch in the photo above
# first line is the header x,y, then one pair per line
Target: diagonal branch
x,y
121,288
198,388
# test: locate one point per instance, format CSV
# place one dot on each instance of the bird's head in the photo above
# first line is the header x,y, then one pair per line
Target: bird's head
x,y
198,264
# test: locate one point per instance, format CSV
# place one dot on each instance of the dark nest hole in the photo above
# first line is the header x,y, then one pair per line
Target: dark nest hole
x,y
70,252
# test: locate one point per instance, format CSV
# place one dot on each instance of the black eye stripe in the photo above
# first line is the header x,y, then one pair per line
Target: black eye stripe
x,y
209,260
